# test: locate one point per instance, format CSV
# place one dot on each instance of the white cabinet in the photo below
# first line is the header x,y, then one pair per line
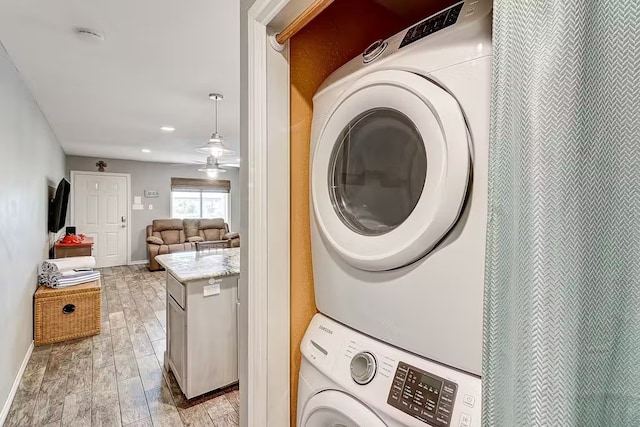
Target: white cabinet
x,y
202,333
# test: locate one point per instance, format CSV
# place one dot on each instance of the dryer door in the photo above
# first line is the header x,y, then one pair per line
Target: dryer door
x,y
332,408
390,170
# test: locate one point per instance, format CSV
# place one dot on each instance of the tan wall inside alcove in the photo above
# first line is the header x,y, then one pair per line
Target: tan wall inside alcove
x,y
336,36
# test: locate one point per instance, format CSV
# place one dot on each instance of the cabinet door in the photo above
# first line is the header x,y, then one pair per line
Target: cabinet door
x,y
177,341
212,359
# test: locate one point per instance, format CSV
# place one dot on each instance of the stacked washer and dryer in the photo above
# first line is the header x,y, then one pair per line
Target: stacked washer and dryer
x,y
399,163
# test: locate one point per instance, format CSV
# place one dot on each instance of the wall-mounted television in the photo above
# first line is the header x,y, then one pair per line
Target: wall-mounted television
x,y
58,206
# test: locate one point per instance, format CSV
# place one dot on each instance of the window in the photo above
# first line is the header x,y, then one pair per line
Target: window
x,y
199,204
191,198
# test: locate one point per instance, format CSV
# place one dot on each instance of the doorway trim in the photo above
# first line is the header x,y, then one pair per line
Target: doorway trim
x,y
268,263
94,173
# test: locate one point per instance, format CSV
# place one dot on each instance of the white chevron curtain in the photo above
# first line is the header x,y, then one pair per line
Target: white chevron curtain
x,y
562,298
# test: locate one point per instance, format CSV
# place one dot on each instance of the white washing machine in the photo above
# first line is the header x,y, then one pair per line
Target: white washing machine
x,y
350,380
399,187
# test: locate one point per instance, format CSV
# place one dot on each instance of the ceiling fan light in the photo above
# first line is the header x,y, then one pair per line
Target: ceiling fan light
x,y
216,149
212,169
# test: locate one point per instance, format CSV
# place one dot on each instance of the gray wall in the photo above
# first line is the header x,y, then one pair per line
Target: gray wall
x,y
32,160
155,176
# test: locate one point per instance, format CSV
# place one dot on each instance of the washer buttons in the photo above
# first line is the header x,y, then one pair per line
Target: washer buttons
x,y
469,400
465,420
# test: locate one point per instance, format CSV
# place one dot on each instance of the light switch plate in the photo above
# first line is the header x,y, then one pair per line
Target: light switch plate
x,y
210,290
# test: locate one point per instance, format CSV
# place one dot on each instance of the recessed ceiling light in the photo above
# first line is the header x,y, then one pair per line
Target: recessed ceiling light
x,y
146,150
167,128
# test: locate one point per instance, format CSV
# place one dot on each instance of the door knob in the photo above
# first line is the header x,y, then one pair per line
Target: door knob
x,y
123,218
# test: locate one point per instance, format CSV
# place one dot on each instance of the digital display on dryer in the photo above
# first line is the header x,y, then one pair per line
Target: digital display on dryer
x,y
423,395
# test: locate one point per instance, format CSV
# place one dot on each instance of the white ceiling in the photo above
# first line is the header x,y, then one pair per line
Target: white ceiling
x,y
155,67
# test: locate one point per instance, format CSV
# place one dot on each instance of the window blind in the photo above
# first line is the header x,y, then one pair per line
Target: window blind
x,y
196,184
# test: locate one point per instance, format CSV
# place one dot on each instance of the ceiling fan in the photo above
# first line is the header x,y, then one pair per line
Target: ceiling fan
x,y
212,168
223,161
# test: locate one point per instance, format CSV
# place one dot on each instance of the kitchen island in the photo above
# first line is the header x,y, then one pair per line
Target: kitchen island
x,y
202,318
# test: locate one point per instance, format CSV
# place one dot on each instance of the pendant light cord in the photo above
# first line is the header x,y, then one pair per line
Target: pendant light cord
x,y
216,116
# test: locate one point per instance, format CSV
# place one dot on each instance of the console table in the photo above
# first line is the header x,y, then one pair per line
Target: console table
x,y
68,250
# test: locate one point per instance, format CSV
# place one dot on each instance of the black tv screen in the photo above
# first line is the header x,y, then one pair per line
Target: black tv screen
x,y
58,206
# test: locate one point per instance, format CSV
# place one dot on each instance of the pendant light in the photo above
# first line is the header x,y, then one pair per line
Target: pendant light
x,y
212,168
215,146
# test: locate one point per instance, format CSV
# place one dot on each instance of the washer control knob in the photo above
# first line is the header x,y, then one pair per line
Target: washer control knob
x,y
363,367
374,50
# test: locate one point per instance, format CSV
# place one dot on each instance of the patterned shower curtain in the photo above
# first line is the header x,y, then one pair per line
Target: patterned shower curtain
x,y
562,298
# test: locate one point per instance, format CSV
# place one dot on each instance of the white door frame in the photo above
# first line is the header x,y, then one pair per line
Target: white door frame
x,y
94,173
268,368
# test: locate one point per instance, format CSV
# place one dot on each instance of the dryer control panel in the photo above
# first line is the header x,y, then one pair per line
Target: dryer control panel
x,y
423,395
429,26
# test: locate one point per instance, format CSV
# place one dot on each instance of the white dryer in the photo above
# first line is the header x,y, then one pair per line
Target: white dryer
x,y
350,380
399,187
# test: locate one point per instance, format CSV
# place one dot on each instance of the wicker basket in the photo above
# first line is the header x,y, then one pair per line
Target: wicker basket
x,y
65,314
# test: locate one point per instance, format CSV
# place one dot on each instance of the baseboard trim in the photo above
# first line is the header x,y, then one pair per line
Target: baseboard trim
x,y
141,262
14,388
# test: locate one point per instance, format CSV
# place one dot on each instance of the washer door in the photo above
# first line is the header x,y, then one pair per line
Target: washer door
x,y
332,408
390,170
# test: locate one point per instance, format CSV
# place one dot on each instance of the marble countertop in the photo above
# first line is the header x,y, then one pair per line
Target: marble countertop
x,y
190,266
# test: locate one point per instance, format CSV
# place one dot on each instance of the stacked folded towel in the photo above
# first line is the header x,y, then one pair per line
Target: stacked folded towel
x,y
65,272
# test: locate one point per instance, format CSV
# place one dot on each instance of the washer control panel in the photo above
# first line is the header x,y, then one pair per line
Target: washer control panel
x,y
402,388
423,395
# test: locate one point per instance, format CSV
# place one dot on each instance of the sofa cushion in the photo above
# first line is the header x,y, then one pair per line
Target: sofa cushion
x,y
190,228
176,248
154,240
195,239
212,234
205,224
171,237
167,224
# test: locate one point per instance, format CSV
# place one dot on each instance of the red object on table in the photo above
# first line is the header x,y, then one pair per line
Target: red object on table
x,y
75,240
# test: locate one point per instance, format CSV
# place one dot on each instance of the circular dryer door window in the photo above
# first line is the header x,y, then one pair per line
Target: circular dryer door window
x,y
390,170
336,409
377,171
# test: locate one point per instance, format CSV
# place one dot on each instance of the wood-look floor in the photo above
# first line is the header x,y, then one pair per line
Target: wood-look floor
x,y
116,378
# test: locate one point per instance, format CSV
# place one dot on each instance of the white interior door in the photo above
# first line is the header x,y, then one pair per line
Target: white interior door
x,y
100,210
